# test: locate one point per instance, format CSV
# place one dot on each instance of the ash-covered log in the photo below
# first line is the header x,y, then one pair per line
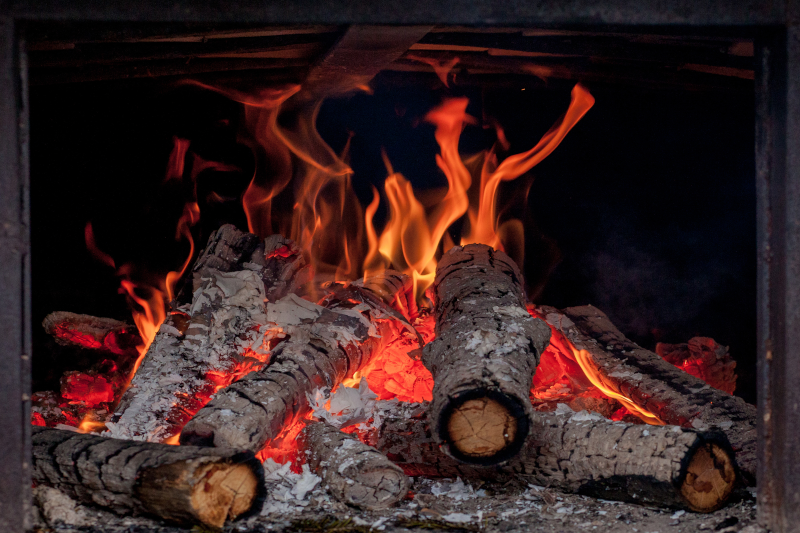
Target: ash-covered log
x,y
322,347
221,336
183,484
666,466
484,356
353,472
653,384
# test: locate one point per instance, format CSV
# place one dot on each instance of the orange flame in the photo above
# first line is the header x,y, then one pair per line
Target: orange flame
x,y
584,359
564,348
441,68
149,310
483,220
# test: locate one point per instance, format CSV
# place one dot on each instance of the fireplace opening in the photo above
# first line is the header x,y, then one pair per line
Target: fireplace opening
x,y
645,209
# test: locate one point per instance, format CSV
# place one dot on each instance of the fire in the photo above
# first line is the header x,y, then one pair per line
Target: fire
x,y
147,301
484,219
339,236
563,349
586,362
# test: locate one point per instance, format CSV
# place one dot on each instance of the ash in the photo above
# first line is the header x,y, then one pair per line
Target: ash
x,y
297,501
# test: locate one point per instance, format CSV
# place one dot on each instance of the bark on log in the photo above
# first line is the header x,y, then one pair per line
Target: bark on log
x,y
353,472
484,356
323,346
187,485
666,466
221,336
652,383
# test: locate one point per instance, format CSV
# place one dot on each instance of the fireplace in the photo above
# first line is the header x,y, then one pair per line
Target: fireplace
x,y
477,52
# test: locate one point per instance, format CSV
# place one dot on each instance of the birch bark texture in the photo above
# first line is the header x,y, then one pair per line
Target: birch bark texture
x,y
486,351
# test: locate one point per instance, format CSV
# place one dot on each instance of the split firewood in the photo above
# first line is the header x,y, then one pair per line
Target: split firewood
x,y
484,356
653,384
353,472
322,347
221,336
585,453
183,484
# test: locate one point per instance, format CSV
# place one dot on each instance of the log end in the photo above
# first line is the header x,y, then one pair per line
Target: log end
x,y
710,478
487,428
226,493
203,491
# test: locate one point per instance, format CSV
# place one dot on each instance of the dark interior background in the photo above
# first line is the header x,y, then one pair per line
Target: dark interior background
x,y
646,210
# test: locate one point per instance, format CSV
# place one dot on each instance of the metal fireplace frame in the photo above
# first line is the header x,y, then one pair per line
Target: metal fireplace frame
x,y
774,24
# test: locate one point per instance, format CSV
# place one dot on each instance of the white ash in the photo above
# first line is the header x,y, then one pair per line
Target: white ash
x,y
227,329
287,491
457,490
59,509
348,405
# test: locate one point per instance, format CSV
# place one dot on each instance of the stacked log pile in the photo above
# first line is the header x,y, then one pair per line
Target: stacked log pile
x,y
220,336
647,380
587,454
239,359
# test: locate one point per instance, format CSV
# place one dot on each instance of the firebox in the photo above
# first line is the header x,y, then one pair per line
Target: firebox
x,y
348,165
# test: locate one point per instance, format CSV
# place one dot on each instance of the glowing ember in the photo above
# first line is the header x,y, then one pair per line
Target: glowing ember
x,y
565,350
322,214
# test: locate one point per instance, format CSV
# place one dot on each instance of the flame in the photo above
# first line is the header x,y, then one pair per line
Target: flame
x,y
483,219
584,359
441,68
148,301
562,347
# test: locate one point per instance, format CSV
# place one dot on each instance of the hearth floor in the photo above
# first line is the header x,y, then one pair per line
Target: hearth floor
x,y
447,505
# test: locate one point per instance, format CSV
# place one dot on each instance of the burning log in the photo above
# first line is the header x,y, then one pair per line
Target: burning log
x,y
187,485
221,336
91,332
653,384
587,454
484,356
323,346
354,473
703,358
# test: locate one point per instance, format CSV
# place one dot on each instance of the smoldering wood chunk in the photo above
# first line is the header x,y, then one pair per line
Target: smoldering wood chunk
x,y
657,386
704,358
221,336
484,356
353,472
187,485
322,346
91,332
666,466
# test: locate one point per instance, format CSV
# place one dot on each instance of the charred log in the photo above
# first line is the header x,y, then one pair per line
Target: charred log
x,y
322,347
221,336
484,356
353,472
652,383
584,453
186,485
